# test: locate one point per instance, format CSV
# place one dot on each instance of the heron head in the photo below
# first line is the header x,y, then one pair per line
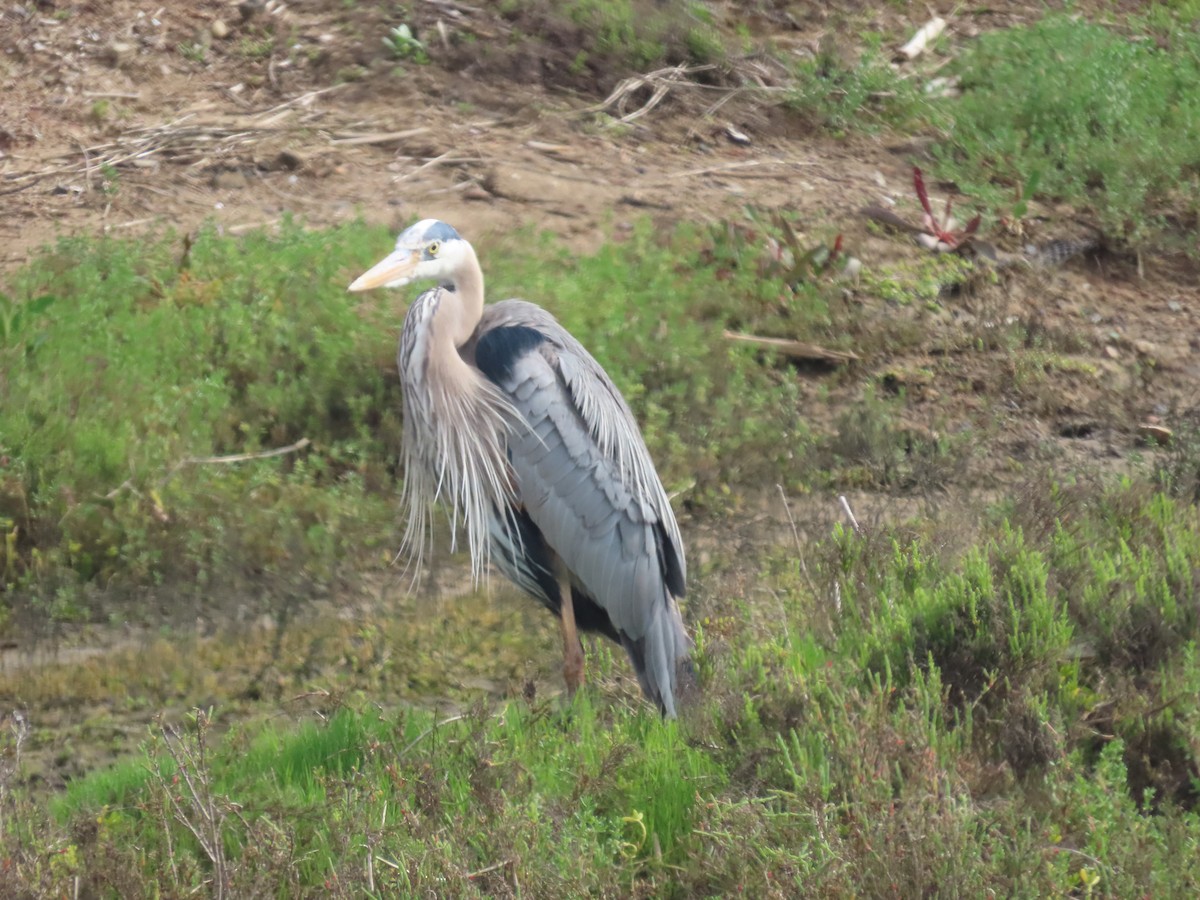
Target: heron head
x,y
429,249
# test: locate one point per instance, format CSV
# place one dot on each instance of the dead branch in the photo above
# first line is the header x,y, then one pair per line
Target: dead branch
x,y
850,514
243,457
798,350
661,82
386,137
796,536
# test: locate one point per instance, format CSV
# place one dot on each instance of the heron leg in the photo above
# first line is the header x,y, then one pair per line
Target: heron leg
x,y
572,647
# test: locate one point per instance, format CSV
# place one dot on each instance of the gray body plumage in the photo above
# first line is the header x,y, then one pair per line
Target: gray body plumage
x,y
584,477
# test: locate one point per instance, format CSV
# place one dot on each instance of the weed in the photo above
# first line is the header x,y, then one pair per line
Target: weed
x,y
111,184
100,111
926,279
188,794
941,235
256,48
1180,470
860,94
947,695
193,51
1103,121
147,370
402,44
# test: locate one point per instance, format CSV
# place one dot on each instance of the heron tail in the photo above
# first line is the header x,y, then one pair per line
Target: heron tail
x,y
660,658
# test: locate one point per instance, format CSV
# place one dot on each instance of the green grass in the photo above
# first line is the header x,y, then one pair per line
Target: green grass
x,y
1103,119
646,34
863,93
902,718
123,363
1002,700
126,365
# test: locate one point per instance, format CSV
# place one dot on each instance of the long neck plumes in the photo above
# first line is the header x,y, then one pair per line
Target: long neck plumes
x,y
455,421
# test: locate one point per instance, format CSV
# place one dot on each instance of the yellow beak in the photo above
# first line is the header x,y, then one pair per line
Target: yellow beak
x,y
394,270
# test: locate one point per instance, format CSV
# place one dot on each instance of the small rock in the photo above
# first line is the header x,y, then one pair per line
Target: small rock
x,y
248,9
1112,352
288,159
118,53
229,181
1145,348
1174,306
738,137
219,29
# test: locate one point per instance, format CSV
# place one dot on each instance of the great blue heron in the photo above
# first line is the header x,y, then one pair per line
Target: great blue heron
x,y
514,424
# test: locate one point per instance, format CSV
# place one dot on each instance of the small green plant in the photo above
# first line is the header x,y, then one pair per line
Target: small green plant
x,y
862,95
256,48
402,44
194,51
110,180
16,316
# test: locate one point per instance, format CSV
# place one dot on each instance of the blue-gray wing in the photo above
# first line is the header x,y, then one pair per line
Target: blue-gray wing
x,y
585,478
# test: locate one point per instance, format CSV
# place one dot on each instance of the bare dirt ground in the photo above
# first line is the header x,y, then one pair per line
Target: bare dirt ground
x,y
123,118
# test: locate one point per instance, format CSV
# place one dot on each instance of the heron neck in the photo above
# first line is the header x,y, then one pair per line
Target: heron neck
x,y
468,289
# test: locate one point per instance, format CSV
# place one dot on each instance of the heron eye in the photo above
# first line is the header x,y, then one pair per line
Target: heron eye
x,y
433,248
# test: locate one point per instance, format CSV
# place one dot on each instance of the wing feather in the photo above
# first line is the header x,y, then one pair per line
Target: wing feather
x,y
605,417
585,478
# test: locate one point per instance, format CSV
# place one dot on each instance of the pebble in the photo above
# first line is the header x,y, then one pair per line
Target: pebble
x,y
288,159
118,53
738,137
219,29
248,9
229,181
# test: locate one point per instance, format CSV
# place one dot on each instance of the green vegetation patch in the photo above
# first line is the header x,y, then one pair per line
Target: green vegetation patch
x,y
1105,120
142,384
131,370
1018,717
859,92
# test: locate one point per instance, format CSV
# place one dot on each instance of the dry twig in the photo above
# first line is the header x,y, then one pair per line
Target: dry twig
x,y
196,808
850,514
661,82
796,349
